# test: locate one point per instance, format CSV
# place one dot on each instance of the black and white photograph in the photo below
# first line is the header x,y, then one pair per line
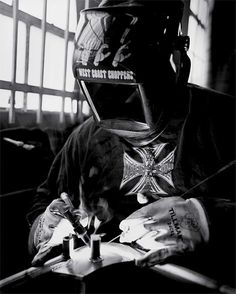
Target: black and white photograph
x,y
117,146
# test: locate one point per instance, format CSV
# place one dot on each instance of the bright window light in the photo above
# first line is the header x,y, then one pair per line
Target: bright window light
x,y
54,62
203,12
75,105
6,42
5,96
19,99
34,8
51,103
32,101
194,4
68,105
34,56
21,47
57,19
192,29
85,108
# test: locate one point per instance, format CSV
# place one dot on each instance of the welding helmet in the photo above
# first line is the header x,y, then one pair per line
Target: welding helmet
x,y
123,61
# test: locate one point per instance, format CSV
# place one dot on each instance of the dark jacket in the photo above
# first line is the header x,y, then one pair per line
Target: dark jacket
x,y
193,157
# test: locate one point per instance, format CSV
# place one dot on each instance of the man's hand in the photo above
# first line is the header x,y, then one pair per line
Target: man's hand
x,y
170,226
44,240
48,221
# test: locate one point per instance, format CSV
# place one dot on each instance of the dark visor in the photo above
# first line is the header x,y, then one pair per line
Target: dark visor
x,y
110,101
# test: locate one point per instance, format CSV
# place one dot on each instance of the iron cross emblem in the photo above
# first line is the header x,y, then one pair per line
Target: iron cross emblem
x,y
148,169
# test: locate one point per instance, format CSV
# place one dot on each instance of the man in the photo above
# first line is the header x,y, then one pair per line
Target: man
x,y
157,159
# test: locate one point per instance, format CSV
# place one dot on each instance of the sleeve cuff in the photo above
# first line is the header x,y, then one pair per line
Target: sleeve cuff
x,y
202,219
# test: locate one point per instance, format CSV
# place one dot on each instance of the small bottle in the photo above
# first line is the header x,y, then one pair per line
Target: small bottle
x,y
95,242
67,246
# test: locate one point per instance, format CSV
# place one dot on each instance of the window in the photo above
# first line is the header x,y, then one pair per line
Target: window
x,y
32,101
36,60
34,56
199,29
6,47
51,103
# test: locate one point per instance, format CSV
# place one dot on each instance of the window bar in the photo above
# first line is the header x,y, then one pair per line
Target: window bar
x,y
26,65
62,113
76,100
73,101
80,101
14,62
86,4
80,111
43,27
185,18
72,115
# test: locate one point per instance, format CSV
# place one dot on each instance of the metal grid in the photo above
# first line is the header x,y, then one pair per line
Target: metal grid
x,y
18,15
